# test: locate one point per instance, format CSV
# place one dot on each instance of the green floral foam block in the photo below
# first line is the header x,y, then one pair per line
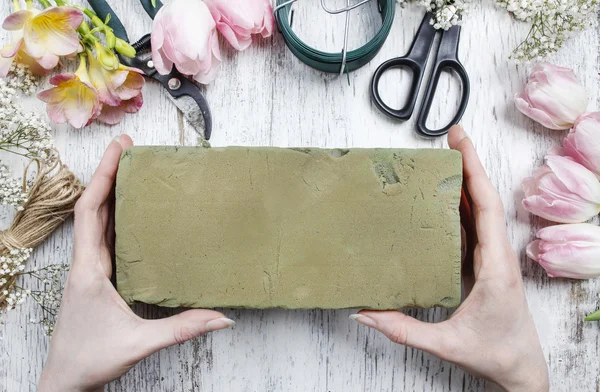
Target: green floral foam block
x,y
289,228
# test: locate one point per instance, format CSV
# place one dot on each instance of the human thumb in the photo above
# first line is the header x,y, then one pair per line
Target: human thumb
x,y
405,330
182,327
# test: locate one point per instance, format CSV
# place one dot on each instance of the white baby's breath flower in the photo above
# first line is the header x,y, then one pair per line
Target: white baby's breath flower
x,y
22,132
553,22
446,13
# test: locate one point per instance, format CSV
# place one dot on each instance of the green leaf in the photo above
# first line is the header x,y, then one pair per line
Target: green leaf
x,y
153,2
594,316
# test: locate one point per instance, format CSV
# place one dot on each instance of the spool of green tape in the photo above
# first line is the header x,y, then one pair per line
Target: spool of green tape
x,y
332,62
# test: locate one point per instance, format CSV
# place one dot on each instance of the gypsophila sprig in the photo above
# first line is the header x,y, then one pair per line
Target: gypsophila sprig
x,y
11,265
48,283
22,132
445,13
11,190
553,22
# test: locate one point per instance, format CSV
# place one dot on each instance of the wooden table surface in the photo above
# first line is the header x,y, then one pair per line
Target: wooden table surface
x,y
266,97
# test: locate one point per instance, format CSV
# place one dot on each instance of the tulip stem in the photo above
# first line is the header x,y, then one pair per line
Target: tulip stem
x,y
45,3
16,5
60,2
594,316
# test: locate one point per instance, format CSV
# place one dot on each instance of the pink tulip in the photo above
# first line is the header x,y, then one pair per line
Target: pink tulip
x,y
553,97
583,142
184,35
562,191
568,251
44,35
238,20
73,100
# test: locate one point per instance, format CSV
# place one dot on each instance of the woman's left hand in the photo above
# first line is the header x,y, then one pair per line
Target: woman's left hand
x,y
97,337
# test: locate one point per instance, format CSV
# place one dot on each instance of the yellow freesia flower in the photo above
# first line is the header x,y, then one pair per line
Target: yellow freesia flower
x,y
42,35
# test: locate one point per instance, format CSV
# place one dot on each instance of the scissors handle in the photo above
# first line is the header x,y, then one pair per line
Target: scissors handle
x,y
416,60
447,59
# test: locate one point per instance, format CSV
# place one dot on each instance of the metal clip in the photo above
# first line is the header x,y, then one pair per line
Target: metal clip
x,y
347,10
290,15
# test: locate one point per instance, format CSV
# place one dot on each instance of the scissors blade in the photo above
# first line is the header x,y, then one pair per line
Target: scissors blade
x,y
193,114
188,98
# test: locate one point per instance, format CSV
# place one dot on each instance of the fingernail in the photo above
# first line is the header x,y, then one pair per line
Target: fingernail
x,y
117,139
220,323
364,320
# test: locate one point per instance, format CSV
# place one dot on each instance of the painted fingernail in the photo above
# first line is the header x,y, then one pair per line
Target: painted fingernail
x,y
364,320
220,323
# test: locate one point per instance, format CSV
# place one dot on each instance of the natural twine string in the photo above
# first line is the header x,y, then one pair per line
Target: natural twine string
x,y
50,200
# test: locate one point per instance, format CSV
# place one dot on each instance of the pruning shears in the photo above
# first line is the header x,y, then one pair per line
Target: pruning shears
x,y
183,92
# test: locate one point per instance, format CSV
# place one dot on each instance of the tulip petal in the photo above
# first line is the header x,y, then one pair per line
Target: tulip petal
x,y
16,20
238,20
583,142
559,211
576,178
575,260
537,114
162,63
562,233
184,36
533,250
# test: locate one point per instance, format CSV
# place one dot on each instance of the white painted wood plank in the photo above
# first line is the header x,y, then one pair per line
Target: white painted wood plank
x,y
265,96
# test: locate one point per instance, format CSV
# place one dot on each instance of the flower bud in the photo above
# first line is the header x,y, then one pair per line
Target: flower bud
x,y
568,251
562,191
111,40
553,97
124,48
583,142
107,57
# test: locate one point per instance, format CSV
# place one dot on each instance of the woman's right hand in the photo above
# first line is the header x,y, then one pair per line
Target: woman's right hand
x,y
491,334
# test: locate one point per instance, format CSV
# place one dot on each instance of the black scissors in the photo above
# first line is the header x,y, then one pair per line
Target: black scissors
x,y
184,93
416,60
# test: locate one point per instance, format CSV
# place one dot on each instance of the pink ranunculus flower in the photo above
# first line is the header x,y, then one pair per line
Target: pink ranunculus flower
x,y
562,191
73,100
583,142
568,251
44,35
553,97
184,36
238,20
114,114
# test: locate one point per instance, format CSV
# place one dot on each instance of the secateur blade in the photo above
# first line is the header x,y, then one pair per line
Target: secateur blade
x,y
184,93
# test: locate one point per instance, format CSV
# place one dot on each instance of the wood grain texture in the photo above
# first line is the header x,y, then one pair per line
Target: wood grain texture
x,y
266,97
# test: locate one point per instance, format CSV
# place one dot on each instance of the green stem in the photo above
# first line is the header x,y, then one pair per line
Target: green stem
x,y
45,3
60,2
594,316
16,5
